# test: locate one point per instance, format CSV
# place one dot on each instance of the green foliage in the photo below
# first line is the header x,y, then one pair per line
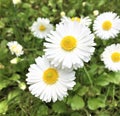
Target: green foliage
x,y
3,107
59,107
95,103
97,90
77,103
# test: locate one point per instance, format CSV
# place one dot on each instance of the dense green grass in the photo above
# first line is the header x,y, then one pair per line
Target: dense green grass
x,y
101,98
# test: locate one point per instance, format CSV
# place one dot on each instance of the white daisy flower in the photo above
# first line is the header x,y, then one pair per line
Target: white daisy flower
x,y
49,83
107,25
41,27
15,48
83,20
111,57
70,45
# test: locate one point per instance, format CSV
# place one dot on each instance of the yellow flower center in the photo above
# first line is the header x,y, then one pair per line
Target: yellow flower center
x,y
75,19
115,57
68,43
107,25
14,48
42,28
50,76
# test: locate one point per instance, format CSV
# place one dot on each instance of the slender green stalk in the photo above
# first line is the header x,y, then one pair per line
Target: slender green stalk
x,y
113,92
88,76
107,93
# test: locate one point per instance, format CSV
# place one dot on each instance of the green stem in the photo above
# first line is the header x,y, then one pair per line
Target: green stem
x,y
88,76
113,92
31,49
107,93
86,112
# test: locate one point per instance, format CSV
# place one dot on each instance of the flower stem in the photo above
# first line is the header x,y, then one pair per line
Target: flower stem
x,y
88,76
113,92
107,93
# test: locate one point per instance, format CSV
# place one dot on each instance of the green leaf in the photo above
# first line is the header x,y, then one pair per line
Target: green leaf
x,y
13,94
2,24
102,80
71,13
3,107
42,110
26,5
3,50
3,44
4,83
45,9
95,103
101,2
95,90
75,114
104,114
115,78
77,103
83,90
77,86
59,107
15,77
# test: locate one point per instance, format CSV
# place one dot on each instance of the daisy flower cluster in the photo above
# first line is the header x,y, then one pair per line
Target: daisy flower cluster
x,y
68,47
107,26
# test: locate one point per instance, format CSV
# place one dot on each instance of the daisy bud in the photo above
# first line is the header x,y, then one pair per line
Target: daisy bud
x,y
22,85
62,13
14,61
95,12
84,4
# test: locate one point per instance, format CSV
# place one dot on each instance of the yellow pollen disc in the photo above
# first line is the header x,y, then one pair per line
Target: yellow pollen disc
x,y
50,76
68,43
107,25
75,19
13,48
42,28
115,57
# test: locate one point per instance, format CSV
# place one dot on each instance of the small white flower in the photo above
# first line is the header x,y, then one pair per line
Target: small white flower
x,y
83,20
49,83
16,1
41,27
95,12
70,45
107,25
15,48
111,57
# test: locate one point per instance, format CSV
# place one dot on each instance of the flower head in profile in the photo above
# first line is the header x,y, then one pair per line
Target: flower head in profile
x,y
111,57
15,48
41,27
49,83
16,1
83,20
70,45
107,25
